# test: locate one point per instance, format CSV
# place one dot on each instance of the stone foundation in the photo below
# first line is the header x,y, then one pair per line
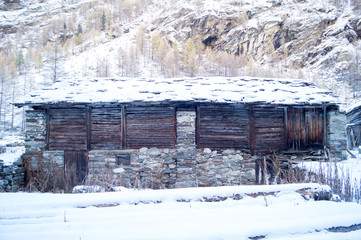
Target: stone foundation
x,y
182,166
12,177
159,168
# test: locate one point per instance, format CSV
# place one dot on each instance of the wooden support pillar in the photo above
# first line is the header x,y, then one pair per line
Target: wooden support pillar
x,y
324,126
252,130
198,121
48,112
123,134
286,127
88,127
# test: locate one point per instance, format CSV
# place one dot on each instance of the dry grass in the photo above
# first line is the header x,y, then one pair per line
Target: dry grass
x,y
45,177
327,173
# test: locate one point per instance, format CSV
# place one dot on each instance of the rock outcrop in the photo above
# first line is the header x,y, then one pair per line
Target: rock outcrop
x,y
307,34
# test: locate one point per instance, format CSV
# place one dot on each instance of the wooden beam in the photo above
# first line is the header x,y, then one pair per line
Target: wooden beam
x,y
198,124
175,126
88,127
324,126
47,112
286,126
252,130
123,136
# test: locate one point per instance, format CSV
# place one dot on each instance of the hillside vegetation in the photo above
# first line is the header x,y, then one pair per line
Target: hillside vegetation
x,y
45,40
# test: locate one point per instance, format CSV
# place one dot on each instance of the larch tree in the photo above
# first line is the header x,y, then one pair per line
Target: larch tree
x,y
38,58
190,58
170,64
55,57
3,66
155,44
122,62
141,40
12,72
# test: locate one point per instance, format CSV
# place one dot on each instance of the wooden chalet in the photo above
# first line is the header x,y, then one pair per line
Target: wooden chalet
x,y
78,117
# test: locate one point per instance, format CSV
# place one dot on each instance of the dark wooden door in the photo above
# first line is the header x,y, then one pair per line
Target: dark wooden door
x,y
75,168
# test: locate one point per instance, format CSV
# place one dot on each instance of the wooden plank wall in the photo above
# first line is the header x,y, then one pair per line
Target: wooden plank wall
x,y
150,127
259,128
223,126
354,116
354,128
106,128
269,128
354,136
305,128
67,129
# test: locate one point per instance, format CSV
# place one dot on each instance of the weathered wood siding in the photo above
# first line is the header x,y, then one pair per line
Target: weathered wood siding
x,y
269,129
223,126
106,132
76,168
153,126
219,126
354,128
305,127
67,129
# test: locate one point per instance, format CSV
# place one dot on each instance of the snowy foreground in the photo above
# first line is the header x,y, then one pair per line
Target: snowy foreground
x,y
279,213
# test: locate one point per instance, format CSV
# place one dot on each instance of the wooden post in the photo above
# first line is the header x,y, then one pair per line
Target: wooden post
x,y
123,139
286,126
175,126
48,111
252,130
198,124
88,123
324,126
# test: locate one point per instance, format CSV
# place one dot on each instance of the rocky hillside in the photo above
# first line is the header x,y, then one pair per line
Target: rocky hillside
x,y
44,40
320,37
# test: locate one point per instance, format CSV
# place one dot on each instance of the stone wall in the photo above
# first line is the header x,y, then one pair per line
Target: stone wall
x,y
336,135
186,149
182,166
35,136
12,177
159,168
143,168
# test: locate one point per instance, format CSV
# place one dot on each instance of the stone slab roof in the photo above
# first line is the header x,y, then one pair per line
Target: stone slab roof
x,y
212,89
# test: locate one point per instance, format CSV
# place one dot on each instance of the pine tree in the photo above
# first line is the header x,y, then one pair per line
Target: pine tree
x,y
64,35
80,30
20,61
103,19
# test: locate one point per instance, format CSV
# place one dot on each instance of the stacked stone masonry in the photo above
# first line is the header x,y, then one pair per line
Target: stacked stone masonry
x,y
12,177
336,137
182,166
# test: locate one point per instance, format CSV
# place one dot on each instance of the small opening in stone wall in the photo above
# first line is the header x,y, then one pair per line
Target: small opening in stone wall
x,y
123,159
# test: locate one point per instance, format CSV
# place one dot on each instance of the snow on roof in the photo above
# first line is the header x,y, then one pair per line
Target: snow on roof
x,y
354,106
212,89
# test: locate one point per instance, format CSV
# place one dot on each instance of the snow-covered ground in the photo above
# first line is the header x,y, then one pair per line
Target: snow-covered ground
x,y
11,148
134,215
